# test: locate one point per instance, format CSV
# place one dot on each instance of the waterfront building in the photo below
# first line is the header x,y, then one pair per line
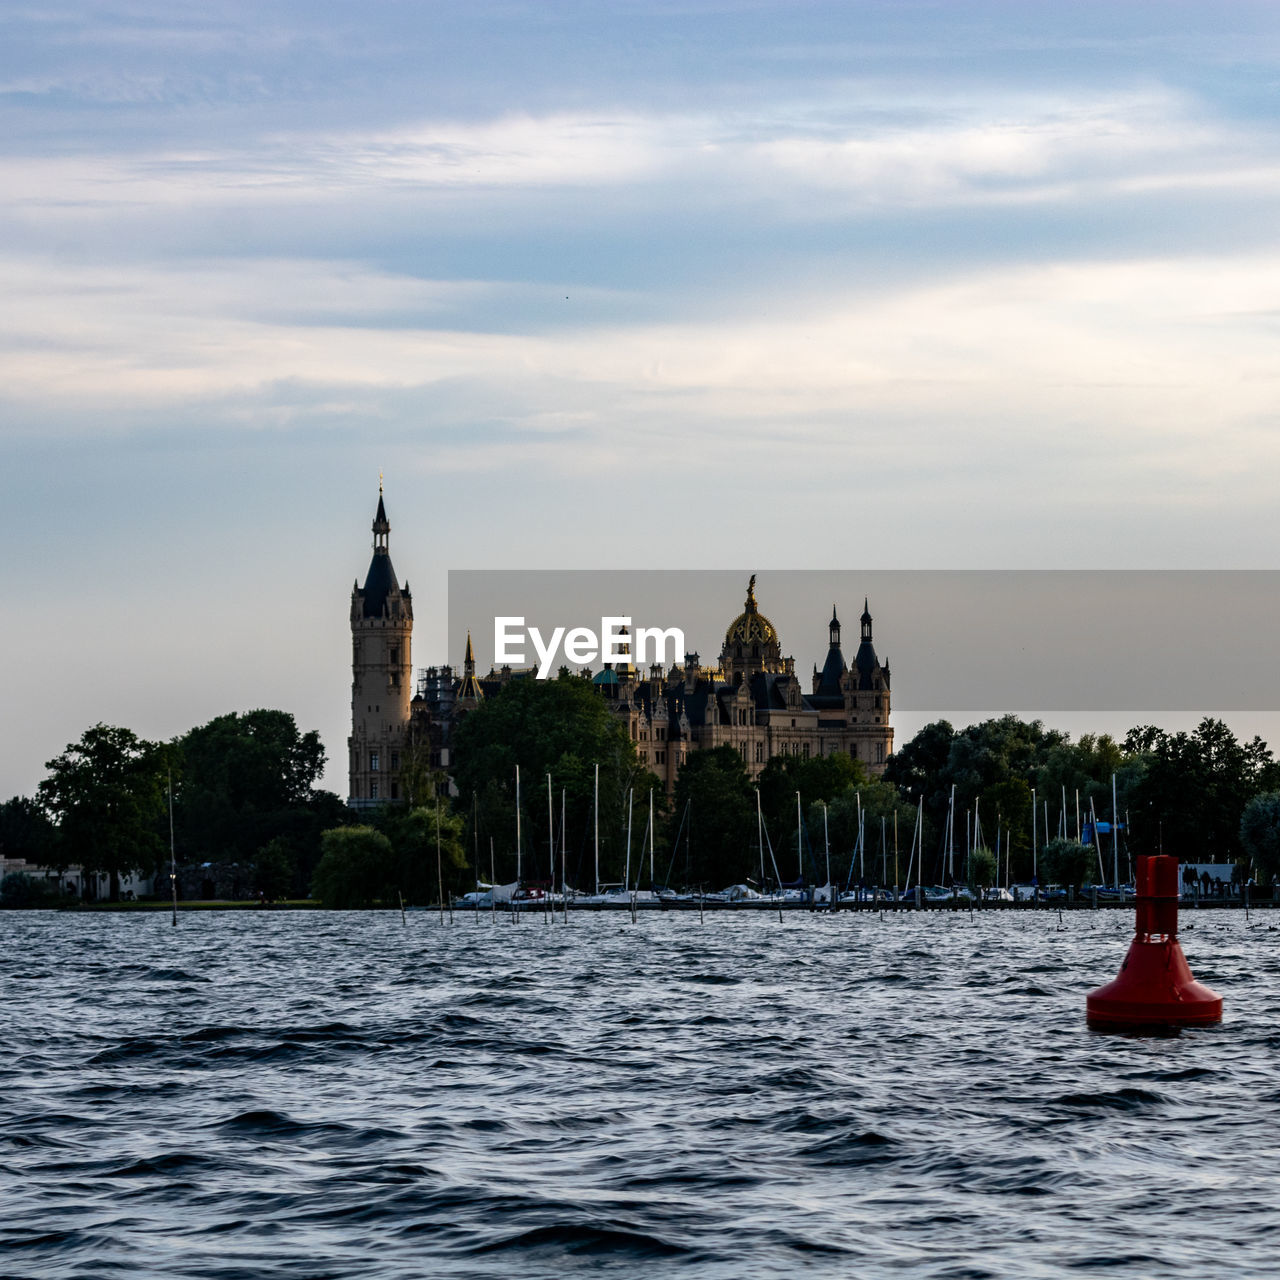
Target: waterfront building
x,y
750,700
381,675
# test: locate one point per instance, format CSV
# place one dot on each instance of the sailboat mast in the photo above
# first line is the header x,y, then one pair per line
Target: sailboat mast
x,y
760,837
173,855
799,839
826,850
1115,832
1033,835
596,820
951,835
653,875
551,850
518,859
626,875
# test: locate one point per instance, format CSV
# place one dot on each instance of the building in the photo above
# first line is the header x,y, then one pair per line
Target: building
x,y
381,675
751,700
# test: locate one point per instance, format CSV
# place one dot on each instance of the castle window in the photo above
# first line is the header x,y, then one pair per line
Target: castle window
x,y
879,753
806,750
373,762
661,757
393,656
395,760
373,791
759,752
395,791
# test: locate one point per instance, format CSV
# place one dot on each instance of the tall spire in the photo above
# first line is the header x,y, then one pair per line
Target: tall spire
x,y
866,621
381,525
834,627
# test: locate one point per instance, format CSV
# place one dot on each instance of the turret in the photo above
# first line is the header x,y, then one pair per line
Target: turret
x,y
381,674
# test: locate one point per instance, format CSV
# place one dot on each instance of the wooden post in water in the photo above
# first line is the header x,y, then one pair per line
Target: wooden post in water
x,y
547,909
1035,874
895,857
173,856
826,851
564,859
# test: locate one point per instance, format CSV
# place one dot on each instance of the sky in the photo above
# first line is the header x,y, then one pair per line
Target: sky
x,y
741,286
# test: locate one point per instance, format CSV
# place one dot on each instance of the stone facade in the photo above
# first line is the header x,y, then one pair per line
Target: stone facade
x,y
751,700
381,676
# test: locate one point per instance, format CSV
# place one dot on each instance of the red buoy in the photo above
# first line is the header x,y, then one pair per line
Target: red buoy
x,y
1154,987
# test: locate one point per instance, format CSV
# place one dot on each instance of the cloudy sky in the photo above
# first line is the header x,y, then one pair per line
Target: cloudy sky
x,y
724,285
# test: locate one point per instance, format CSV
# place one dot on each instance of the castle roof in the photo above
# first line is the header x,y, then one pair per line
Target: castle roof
x,y
751,626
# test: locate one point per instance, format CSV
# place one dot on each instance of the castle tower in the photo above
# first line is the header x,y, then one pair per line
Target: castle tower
x,y
867,700
751,643
381,676
827,683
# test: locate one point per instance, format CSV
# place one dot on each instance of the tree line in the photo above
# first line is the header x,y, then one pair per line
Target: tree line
x,y
244,793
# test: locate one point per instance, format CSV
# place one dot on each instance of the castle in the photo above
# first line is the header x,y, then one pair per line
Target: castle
x,y
751,700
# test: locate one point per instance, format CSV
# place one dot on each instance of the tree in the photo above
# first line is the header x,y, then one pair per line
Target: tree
x,y
1260,834
1006,808
354,868
412,869
876,801
274,869
248,784
1066,862
814,777
562,727
19,890
982,869
721,847
240,774
1194,787
107,794
26,832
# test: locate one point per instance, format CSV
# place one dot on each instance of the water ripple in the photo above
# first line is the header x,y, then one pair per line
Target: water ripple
x,y
277,1095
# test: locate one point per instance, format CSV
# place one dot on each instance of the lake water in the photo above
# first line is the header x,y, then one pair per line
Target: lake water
x,y
313,1094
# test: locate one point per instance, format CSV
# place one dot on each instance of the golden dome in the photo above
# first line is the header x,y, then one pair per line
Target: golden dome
x,y
751,626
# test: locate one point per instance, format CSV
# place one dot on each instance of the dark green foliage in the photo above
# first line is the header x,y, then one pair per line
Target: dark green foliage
x,y
1006,808
720,845
406,855
816,778
982,868
563,727
1193,789
354,868
107,792
1260,834
412,869
274,869
26,832
1067,863
247,784
878,800
20,890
